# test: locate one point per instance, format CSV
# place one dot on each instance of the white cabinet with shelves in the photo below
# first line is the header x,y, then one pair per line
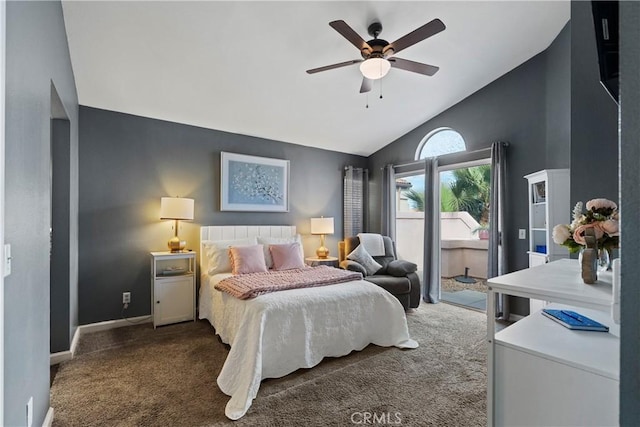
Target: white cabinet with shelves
x,y
549,205
173,287
541,373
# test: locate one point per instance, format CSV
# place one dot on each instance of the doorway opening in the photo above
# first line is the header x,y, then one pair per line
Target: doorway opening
x,y
464,233
60,222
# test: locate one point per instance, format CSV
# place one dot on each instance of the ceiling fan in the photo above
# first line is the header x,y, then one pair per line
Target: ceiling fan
x,y
378,54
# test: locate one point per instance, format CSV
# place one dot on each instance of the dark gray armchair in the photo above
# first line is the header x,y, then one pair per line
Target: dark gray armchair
x,y
396,276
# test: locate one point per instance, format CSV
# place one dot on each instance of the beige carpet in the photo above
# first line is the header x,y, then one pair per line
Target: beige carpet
x,y
138,376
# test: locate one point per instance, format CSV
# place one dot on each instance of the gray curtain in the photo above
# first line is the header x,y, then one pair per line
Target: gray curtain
x,y
431,254
355,198
388,220
498,249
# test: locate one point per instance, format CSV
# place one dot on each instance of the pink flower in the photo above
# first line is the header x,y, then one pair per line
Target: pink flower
x,y
578,233
610,227
600,204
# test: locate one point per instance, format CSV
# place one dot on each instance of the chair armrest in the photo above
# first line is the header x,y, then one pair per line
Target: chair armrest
x,y
347,264
401,268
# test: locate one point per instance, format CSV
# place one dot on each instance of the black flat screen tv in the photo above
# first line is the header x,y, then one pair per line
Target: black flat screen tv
x,y
605,20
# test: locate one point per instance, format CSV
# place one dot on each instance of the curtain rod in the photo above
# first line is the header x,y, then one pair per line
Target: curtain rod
x,y
452,155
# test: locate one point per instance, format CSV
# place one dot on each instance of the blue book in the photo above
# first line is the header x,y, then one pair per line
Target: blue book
x,y
572,320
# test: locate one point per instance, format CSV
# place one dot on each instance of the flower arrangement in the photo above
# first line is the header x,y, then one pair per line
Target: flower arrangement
x,y
602,215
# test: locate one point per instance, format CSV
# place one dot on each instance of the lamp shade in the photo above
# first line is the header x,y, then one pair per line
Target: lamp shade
x,y
322,225
375,68
176,208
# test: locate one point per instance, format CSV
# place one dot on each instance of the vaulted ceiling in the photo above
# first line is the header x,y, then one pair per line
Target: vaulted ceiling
x,y
240,66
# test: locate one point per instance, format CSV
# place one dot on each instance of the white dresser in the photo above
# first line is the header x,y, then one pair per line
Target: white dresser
x,y
541,373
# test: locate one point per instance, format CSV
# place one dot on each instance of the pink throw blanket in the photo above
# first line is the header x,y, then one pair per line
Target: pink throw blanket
x,y
245,286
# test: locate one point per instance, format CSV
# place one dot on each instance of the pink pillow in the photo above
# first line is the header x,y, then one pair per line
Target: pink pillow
x,y
286,256
247,259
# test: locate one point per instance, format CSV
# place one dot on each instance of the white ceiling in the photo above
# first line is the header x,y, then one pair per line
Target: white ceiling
x,y
240,66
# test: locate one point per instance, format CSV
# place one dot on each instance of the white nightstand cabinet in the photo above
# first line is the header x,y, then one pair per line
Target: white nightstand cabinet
x,y
173,287
543,374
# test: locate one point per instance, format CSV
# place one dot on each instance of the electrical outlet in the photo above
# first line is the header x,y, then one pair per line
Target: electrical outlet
x,y
522,234
126,297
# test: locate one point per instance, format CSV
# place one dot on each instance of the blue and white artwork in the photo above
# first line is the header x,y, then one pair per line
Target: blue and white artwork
x,y
252,183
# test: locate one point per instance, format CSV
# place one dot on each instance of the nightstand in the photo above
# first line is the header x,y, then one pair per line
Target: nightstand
x,y
331,261
173,287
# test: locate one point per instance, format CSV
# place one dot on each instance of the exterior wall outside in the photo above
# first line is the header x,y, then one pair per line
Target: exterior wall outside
x,y
460,254
458,225
410,236
460,246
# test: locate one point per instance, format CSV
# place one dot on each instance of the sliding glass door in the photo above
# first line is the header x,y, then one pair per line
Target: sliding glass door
x,y
464,221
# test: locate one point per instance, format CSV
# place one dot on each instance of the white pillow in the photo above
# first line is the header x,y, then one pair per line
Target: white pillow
x,y
266,241
218,255
362,257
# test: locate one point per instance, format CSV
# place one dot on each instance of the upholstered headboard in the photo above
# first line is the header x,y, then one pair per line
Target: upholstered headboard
x,y
233,232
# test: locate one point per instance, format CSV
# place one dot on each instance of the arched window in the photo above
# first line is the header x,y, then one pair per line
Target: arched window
x,y
440,141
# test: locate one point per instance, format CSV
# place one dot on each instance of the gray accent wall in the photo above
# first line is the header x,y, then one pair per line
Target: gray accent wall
x,y
553,112
594,116
630,206
558,101
127,163
37,57
512,109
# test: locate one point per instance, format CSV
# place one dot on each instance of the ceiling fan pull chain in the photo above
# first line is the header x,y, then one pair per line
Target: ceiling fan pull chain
x,y
380,88
367,105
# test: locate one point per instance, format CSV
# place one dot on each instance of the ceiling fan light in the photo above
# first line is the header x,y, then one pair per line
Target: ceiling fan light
x,y
375,68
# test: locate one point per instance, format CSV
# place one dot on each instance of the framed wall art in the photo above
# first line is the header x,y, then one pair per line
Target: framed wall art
x,y
250,183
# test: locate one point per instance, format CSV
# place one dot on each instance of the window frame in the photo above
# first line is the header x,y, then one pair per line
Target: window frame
x,y
433,133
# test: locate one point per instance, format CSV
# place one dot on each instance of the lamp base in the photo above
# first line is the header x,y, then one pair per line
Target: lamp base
x,y
176,245
322,252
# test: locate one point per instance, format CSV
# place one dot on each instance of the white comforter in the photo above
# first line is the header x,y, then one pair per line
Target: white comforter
x,y
277,333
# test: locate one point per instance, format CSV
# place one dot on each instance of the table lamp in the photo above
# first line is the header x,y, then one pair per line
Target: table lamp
x,y
322,226
176,208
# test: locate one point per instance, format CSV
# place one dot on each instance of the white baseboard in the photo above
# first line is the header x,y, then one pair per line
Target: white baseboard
x,y
48,420
62,356
113,324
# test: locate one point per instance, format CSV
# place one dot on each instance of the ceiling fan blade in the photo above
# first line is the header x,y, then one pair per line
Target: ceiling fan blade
x,y
366,85
427,30
331,67
349,34
416,67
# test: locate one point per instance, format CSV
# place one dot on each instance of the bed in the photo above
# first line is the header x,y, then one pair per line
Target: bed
x,y
277,333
